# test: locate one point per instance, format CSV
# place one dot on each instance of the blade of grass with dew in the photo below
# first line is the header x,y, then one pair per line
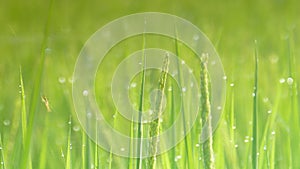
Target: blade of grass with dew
x,y
255,113
83,150
24,116
35,95
269,125
141,102
69,146
155,124
207,146
188,151
294,110
2,161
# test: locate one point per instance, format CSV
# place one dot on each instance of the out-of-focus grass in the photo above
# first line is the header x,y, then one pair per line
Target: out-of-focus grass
x,y
274,23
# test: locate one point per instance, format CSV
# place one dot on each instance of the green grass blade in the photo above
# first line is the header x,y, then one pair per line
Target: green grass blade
x,y
255,112
69,147
187,144
35,95
2,161
141,102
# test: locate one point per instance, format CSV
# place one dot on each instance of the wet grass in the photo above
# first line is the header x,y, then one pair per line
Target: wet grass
x,y
258,129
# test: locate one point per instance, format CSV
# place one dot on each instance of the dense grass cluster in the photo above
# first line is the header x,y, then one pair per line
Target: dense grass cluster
x,y
260,123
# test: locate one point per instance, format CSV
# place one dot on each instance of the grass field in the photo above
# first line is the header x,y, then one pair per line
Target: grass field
x,y
257,42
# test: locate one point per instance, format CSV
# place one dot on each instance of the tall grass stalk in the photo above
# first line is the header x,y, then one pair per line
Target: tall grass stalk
x,y
155,124
35,95
187,143
255,113
141,103
207,146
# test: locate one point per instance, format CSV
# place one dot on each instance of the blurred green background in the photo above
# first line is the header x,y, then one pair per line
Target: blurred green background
x,y
231,25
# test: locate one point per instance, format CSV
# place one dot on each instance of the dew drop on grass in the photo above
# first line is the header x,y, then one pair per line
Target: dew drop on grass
x,y
269,111
219,108
70,80
122,149
170,89
289,81
2,162
85,92
92,166
236,146
133,85
233,127
266,99
265,147
225,77
6,122
76,128
196,37
282,80
197,145
231,84
184,89
182,62
273,133
246,141
0,148
61,80
253,94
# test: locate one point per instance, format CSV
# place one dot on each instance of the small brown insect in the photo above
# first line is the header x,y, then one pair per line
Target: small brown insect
x,y
46,102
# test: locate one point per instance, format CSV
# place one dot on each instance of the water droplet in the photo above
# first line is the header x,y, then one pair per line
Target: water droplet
x,y
196,37
133,85
122,149
70,80
233,127
170,89
266,99
265,147
199,158
76,128
2,163
6,122
269,111
231,84
85,92
236,146
213,62
69,122
225,77
246,141
257,154
177,158
61,80
219,108
289,81
182,62
47,50
184,89
0,148
282,80
197,145
273,133
253,94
